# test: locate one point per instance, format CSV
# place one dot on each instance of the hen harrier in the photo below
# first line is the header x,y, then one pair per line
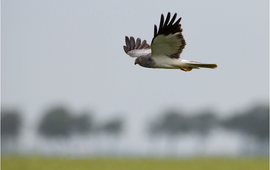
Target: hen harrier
x,y
166,47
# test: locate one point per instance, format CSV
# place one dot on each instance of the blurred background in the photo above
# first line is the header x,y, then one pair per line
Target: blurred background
x,y
68,88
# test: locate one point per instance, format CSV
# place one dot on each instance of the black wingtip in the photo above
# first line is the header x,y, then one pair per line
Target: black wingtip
x,y
161,21
167,18
169,26
173,19
155,30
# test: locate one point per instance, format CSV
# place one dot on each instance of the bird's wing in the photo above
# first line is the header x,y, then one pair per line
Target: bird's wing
x,y
138,48
168,39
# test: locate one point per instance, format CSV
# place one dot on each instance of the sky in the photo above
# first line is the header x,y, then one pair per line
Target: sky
x,y
71,53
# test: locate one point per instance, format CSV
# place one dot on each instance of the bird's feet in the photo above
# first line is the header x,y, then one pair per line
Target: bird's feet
x,y
186,69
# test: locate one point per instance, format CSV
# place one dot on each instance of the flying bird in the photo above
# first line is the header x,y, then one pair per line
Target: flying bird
x,y
166,46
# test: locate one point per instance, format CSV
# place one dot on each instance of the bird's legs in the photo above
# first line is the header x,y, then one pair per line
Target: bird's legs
x,y
186,69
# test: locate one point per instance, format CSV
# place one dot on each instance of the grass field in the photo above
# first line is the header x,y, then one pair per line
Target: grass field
x,y
11,163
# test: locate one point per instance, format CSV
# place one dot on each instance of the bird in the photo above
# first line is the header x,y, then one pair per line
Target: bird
x,y
165,49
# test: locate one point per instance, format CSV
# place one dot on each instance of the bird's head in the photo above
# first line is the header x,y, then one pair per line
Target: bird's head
x,y
138,60
144,61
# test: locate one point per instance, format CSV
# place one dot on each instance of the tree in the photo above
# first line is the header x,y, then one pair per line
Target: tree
x,y
254,122
113,127
170,126
171,123
203,122
10,123
82,124
110,132
56,123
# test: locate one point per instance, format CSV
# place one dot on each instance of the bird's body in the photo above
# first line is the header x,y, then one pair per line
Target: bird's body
x,y
166,47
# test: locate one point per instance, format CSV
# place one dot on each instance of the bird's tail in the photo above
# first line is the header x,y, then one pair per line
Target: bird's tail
x,y
194,64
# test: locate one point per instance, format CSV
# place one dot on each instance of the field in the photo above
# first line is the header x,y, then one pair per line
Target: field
x,y
12,163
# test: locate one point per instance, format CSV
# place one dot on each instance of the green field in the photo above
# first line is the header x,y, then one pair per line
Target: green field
x,y
11,163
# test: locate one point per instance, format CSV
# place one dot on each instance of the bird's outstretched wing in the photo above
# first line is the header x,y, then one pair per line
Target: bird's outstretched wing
x,y
168,39
138,48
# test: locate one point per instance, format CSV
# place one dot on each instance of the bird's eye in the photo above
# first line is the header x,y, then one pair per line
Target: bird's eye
x,y
139,59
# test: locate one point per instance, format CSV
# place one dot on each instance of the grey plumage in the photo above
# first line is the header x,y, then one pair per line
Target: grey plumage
x,y
145,61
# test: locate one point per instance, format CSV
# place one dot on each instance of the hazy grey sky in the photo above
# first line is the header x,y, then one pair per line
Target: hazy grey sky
x,y
71,52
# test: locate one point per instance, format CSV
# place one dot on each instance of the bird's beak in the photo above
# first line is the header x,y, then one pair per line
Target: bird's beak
x,y
135,62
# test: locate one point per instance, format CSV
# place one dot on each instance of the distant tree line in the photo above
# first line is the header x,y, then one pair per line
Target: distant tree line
x,y
254,122
60,122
